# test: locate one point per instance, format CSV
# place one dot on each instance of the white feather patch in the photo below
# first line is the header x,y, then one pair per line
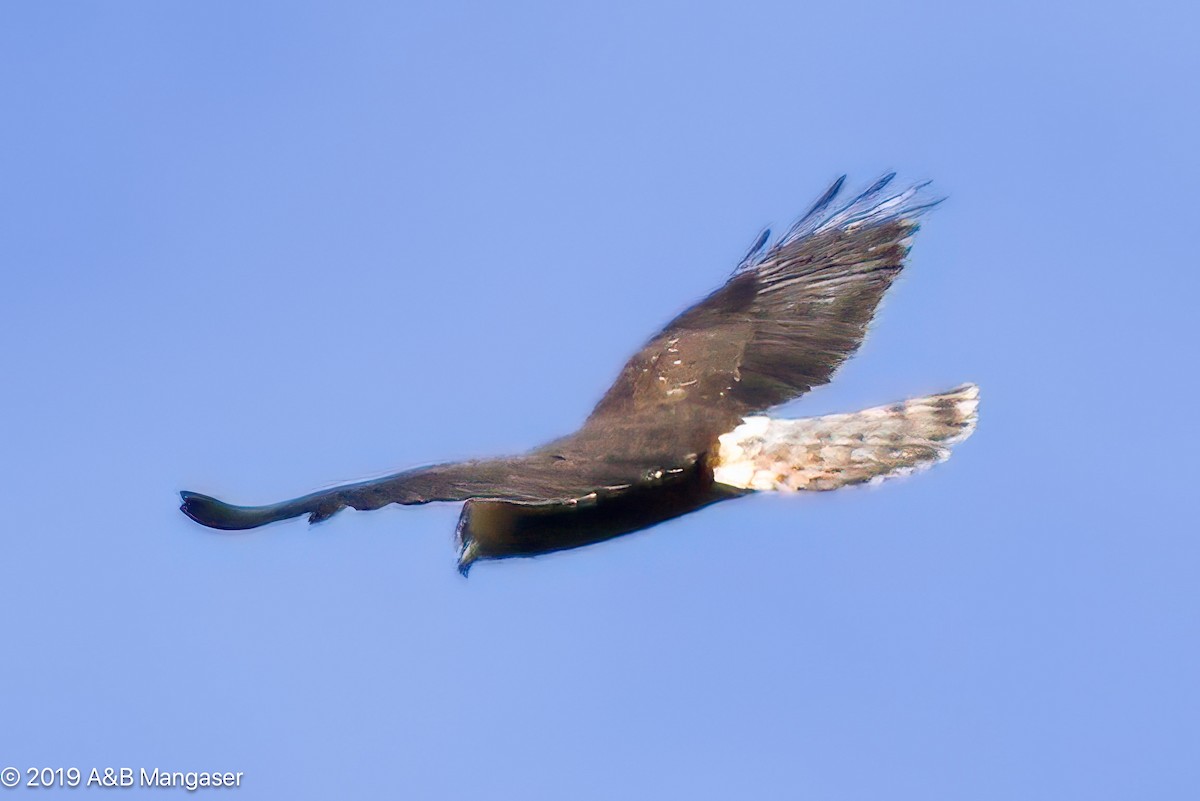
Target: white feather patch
x,y
837,450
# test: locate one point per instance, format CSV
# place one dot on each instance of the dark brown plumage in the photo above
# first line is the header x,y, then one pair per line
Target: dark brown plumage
x,y
782,324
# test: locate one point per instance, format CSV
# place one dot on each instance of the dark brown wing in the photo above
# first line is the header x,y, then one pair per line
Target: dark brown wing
x,y
781,325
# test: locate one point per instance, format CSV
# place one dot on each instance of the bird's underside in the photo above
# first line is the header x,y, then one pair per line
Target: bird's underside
x,y
679,429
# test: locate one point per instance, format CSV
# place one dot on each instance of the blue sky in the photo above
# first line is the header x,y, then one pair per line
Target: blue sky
x,y
256,248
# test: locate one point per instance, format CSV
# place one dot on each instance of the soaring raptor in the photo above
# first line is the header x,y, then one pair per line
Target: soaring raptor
x,y
681,428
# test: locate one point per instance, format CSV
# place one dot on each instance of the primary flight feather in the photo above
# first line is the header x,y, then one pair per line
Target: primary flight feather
x,y
679,429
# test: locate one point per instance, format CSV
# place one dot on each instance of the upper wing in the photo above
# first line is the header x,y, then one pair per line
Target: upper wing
x,y
783,323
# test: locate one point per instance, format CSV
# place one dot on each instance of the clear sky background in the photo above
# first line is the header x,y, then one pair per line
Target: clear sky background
x,y
252,249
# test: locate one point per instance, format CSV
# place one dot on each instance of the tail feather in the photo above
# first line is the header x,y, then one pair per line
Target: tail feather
x,y
838,450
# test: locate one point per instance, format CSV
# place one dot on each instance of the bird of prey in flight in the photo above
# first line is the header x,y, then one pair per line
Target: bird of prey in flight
x,y
682,426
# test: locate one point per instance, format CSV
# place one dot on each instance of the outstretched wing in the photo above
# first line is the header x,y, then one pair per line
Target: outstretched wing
x,y
783,323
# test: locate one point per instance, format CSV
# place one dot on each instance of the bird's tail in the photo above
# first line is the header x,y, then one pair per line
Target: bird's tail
x,y
837,450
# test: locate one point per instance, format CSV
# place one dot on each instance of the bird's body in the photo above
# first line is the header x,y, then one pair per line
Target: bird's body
x,y
677,431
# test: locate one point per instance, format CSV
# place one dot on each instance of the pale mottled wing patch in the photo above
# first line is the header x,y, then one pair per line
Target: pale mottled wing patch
x,y
837,450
